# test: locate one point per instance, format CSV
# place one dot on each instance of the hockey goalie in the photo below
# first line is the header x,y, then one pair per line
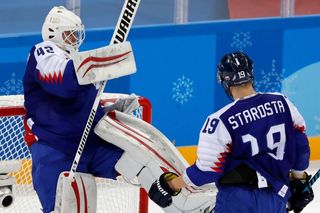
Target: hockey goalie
x,y
60,85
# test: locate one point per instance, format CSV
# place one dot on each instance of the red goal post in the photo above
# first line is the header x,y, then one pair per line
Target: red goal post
x,y
113,196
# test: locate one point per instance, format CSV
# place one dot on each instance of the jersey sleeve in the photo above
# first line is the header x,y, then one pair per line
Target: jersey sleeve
x,y
303,149
55,72
213,147
297,118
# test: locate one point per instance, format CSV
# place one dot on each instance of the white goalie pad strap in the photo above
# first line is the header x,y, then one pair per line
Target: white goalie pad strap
x,y
77,194
7,166
104,63
151,151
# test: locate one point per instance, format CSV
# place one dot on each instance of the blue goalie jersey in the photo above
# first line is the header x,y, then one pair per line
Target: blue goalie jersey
x,y
264,131
57,106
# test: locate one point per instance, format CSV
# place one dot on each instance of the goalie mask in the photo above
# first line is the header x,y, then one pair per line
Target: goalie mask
x,y
64,28
235,69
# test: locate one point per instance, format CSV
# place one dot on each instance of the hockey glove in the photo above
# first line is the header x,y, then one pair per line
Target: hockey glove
x,y
299,199
160,191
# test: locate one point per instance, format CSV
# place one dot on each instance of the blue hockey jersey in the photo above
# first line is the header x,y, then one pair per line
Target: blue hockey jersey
x,y
57,106
264,131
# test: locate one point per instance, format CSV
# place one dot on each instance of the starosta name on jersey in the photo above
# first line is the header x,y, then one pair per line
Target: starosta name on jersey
x,y
256,113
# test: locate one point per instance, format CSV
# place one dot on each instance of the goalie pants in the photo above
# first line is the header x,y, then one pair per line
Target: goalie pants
x,y
48,163
243,199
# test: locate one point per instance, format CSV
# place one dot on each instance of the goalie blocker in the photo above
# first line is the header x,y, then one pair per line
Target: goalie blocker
x,y
109,62
148,154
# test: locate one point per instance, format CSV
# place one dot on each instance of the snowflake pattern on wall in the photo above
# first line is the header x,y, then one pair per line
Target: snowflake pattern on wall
x,y
12,86
271,81
241,40
182,90
287,88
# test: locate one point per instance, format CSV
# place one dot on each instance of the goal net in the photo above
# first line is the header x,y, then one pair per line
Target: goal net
x,y
113,196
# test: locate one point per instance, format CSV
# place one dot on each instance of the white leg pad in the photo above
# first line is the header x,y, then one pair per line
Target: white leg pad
x,y
128,167
77,194
148,153
149,174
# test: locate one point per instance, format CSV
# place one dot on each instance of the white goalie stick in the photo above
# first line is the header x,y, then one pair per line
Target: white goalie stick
x,y
120,34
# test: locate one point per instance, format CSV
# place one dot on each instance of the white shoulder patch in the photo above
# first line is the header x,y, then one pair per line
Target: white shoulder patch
x,y
51,61
214,143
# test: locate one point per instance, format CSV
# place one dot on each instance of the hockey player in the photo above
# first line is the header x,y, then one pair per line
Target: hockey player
x,y
60,87
249,148
58,107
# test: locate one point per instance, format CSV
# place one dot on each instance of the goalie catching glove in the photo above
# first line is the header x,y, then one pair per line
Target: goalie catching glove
x,y
300,199
160,191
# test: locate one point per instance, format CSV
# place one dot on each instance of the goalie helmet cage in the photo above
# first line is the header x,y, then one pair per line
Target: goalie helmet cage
x,y
113,196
